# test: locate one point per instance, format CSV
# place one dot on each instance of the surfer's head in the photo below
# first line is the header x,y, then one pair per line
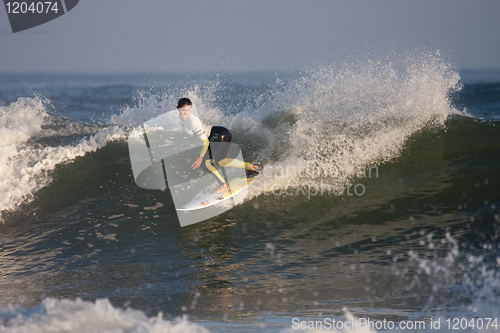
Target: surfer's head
x,y
183,102
184,108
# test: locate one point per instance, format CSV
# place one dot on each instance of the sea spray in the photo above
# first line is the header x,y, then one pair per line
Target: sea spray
x,y
356,116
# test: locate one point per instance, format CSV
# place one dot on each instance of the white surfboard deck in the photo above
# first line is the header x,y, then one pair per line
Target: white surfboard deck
x,y
209,199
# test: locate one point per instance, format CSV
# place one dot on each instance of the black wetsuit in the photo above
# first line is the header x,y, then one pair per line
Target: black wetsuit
x,y
216,152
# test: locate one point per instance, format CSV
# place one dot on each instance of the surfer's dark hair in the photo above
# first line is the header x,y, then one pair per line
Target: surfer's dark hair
x,y
183,102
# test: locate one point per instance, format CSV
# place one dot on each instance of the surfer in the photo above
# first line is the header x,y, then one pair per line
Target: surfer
x,y
216,153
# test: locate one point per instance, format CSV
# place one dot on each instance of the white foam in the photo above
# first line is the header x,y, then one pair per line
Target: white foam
x,y
77,316
26,168
354,116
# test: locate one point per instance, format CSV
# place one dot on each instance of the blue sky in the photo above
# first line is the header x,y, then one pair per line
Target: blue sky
x,y
231,35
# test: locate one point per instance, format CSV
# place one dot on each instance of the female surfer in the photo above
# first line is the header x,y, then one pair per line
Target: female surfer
x,y
216,152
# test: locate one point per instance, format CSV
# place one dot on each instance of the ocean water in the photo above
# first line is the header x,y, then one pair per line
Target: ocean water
x,y
379,199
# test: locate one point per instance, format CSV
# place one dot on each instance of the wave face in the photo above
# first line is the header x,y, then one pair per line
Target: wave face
x,y
26,161
379,198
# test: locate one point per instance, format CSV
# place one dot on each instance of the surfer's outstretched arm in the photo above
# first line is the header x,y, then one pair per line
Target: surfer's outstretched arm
x,y
196,164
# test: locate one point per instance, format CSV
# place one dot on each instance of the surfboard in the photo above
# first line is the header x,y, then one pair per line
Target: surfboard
x,y
209,199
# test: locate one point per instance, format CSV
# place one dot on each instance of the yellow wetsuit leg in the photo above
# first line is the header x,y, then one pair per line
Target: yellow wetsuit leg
x,y
234,163
214,171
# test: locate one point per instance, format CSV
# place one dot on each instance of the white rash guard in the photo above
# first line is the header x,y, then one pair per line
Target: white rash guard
x,y
196,128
